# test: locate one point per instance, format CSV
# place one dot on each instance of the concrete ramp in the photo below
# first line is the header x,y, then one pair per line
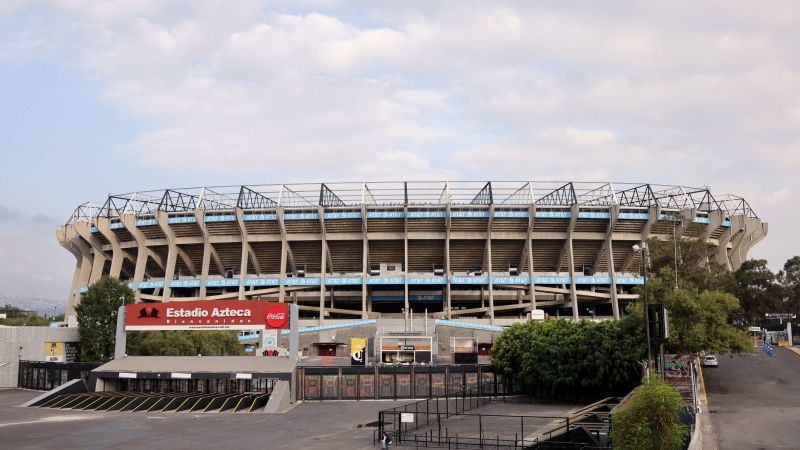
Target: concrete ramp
x,y
280,400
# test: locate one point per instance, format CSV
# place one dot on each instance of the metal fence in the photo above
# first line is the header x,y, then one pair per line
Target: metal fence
x,y
44,375
452,421
385,382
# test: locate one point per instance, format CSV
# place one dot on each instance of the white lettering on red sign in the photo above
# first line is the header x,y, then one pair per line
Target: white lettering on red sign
x,y
216,312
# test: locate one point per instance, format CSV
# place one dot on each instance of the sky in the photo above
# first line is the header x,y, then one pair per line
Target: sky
x,y
100,97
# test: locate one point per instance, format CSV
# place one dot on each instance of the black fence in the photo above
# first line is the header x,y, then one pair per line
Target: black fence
x,y
389,382
44,375
453,421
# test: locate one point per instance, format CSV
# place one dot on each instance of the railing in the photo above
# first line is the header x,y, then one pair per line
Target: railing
x,y
44,375
453,421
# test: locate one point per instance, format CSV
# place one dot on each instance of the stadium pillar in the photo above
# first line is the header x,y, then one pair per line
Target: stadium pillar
x,y
405,259
610,261
206,266
323,265
284,254
573,291
488,257
169,273
117,255
448,291
244,264
98,262
364,261
529,246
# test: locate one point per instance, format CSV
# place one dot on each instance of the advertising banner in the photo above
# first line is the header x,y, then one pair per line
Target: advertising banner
x,y
54,351
207,315
358,351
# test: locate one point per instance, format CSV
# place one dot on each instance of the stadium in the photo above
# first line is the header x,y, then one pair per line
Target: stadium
x,y
489,252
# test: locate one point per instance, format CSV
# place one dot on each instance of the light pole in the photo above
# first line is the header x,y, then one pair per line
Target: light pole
x,y
643,251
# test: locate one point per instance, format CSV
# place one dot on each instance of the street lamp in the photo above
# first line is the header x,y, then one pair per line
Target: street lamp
x,y
645,254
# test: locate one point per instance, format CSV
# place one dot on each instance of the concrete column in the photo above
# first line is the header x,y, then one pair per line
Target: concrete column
x,y
529,245
405,259
323,265
244,265
169,273
448,291
610,261
364,261
98,262
573,290
489,263
139,271
284,255
206,267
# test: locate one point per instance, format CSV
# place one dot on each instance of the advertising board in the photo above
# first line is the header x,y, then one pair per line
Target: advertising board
x,y
207,315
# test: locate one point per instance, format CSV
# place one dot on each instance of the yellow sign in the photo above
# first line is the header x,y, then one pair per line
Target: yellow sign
x,y
358,351
54,351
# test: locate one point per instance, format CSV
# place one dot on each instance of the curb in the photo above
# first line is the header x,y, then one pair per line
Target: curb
x,y
795,350
708,440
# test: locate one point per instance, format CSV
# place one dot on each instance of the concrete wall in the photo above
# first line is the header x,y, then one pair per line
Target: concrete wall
x,y
31,340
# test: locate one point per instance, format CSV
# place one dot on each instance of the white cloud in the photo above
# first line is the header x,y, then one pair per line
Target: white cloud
x,y
668,92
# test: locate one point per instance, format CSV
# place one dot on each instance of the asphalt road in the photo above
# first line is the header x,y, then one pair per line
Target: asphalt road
x,y
754,401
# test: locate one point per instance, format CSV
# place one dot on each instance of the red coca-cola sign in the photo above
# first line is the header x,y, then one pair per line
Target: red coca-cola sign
x,y
277,315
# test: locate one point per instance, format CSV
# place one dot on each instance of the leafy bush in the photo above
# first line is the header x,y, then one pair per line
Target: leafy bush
x,y
649,421
565,356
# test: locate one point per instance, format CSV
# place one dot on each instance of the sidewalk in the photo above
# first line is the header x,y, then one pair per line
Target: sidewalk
x,y
707,440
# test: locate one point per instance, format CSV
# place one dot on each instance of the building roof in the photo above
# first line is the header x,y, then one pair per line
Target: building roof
x,y
206,364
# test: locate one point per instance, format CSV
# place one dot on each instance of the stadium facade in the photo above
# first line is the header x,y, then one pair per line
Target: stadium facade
x,y
485,250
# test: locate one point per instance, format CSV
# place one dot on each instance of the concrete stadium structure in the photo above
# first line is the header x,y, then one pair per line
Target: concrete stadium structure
x,y
480,250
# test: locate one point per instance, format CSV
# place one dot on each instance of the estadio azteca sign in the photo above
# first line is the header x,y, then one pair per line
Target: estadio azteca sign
x,y
207,315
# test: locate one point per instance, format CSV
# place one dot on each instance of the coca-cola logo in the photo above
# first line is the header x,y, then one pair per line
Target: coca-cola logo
x,y
277,316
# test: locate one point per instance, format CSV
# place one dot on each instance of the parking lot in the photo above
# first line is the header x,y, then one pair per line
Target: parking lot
x,y
754,400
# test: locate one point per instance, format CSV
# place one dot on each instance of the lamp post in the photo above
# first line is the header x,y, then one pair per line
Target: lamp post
x,y
643,251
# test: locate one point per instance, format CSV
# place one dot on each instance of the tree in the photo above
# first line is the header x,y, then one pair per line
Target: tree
x,y
97,318
184,343
698,319
650,419
757,289
576,357
789,279
697,266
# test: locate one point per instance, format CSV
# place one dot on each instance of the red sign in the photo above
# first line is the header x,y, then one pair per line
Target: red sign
x,y
207,315
277,315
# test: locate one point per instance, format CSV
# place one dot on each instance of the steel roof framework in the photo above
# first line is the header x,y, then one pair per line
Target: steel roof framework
x,y
422,194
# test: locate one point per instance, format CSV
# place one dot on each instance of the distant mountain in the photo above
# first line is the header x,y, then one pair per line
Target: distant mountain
x,y
41,305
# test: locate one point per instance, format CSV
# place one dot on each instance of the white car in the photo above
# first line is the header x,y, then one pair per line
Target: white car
x,y
710,361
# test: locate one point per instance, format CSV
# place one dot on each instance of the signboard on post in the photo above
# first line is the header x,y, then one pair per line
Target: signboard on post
x,y
207,315
358,352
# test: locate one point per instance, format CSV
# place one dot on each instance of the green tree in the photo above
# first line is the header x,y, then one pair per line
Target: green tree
x,y
698,319
97,318
789,279
758,290
650,419
184,343
584,356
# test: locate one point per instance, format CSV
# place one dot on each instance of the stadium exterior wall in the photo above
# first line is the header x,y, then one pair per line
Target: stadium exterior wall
x,y
363,250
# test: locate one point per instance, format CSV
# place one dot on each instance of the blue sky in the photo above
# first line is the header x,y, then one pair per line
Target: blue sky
x,y
101,97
